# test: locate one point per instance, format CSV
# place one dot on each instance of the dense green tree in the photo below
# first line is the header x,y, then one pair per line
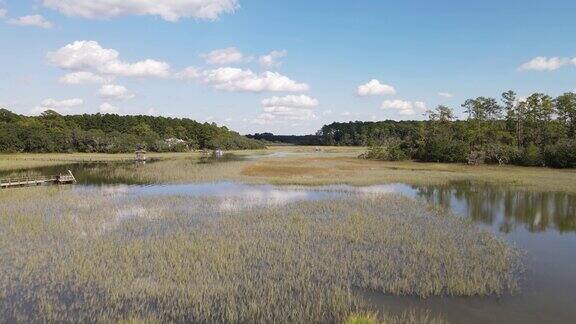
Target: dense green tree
x,y
482,115
288,139
538,130
535,131
52,132
515,114
443,138
10,137
561,154
566,106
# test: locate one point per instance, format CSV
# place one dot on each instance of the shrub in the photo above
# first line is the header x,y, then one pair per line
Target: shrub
x,y
561,155
444,151
477,157
500,153
391,152
530,156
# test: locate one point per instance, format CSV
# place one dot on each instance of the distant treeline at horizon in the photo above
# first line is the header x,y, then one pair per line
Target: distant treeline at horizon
x,y
110,133
288,139
537,131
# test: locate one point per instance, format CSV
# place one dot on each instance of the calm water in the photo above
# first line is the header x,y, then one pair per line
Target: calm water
x,y
543,224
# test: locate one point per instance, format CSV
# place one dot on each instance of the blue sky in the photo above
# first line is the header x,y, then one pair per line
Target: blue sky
x,y
211,60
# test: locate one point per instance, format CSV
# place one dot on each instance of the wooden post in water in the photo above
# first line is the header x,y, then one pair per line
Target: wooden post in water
x,y
140,157
72,176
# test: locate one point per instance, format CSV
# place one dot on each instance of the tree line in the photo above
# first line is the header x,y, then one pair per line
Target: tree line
x,y
111,133
287,139
536,131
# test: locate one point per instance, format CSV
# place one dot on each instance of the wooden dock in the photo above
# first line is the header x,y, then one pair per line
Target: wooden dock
x,y
67,178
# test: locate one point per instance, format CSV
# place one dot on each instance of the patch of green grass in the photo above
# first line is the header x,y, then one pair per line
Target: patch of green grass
x,y
362,318
405,318
108,256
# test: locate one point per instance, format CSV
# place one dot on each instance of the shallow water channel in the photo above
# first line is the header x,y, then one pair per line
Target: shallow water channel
x,y
541,223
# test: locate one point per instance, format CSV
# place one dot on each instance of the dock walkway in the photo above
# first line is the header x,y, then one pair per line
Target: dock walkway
x,y
67,178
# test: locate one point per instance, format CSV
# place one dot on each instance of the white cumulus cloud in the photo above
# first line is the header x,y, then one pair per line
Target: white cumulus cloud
x,y
271,60
114,91
90,56
31,20
287,109
375,88
283,114
189,73
235,79
3,13
107,108
224,56
60,106
169,10
82,77
445,94
67,103
542,63
146,68
295,101
403,107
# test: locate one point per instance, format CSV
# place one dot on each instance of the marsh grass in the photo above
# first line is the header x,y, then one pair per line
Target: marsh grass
x,y
115,257
172,171
326,169
333,165
18,161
